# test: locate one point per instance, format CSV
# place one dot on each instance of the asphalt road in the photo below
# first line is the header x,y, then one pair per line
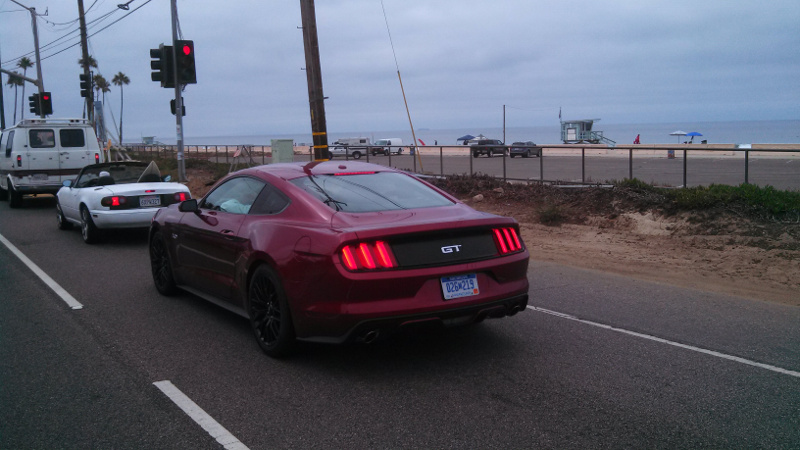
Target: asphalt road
x,y
599,361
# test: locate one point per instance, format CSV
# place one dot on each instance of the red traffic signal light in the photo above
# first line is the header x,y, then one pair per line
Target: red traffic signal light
x,y
185,62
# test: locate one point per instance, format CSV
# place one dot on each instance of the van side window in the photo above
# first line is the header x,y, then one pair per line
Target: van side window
x,y
71,137
40,138
9,144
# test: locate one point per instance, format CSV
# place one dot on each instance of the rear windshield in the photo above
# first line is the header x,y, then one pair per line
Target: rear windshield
x,y
372,192
40,138
72,137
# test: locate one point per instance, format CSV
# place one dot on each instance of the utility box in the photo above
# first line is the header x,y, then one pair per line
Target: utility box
x,y
282,150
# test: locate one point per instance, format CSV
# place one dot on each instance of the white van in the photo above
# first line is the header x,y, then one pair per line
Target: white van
x,y
39,154
387,146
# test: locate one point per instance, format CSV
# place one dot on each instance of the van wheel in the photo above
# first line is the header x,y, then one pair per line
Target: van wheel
x,y
89,231
63,223
14,197
4,193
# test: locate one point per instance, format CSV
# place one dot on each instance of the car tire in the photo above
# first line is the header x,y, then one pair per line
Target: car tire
x,y
89,231
4,193
386,152
356,155
14,197
160,266
268,310
475,154
63,223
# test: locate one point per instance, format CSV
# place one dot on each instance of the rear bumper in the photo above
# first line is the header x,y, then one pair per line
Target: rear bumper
x,y
370,330
133,218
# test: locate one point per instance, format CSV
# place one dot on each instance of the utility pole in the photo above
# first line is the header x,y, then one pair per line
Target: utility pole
x,y
39,82
316,99
178,97
86,69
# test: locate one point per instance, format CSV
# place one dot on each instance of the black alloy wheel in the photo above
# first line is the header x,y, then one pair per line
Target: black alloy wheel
x,y
269,314
63,223
89,231
160,266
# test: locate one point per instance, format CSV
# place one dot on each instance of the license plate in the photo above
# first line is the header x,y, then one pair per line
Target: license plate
x,y
460,286
150,200
39,177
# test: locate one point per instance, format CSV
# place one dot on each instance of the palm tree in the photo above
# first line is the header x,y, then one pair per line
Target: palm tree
x,y
24,63
92,63
16,81
101,86
120,79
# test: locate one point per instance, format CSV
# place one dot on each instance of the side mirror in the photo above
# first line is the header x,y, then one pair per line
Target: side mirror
x,y
189,206
67,183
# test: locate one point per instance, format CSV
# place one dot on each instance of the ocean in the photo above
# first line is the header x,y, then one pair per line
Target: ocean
x,y
739,132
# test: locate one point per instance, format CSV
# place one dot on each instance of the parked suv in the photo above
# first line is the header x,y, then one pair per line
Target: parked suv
x,y
39,154
488,147
525,149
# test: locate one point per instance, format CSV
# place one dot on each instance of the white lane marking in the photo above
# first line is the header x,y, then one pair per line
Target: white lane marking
x,y
676,344
61,292
202,418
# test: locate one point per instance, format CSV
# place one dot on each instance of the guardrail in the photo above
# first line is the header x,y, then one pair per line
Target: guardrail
x,y
453,155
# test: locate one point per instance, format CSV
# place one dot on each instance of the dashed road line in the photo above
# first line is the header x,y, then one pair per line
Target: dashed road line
x,y
201,417
668,342
61,292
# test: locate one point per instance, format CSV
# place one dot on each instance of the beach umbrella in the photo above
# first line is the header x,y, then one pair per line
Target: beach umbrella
x,y
693,134
678,133
466,137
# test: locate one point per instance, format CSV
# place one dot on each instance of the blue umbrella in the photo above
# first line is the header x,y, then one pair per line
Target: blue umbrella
x,y
466,137
693,134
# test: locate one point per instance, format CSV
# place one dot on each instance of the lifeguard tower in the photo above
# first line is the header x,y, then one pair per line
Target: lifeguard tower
x,y
580,131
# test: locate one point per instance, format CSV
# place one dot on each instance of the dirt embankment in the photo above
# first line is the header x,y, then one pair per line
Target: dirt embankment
x,y
640,234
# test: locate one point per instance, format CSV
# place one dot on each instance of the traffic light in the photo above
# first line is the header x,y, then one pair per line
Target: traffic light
x,y
162,65
35,106
46,103
86,85
172,107
185,59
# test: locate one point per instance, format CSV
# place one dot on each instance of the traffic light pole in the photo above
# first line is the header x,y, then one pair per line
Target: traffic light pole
x,y
178,97
316,99
86,69
39,83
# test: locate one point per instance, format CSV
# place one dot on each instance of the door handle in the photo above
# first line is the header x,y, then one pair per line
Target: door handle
x,y
229,234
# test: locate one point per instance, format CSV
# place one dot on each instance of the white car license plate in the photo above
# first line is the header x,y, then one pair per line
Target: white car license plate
x,y
460,286
150,200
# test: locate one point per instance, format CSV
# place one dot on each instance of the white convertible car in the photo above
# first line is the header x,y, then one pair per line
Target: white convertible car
x,y
124,194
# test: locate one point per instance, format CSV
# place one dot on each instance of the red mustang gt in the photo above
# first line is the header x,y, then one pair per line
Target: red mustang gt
x,y
338,251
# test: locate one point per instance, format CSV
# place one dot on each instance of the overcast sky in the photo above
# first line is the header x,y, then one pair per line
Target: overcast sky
x,y
625,61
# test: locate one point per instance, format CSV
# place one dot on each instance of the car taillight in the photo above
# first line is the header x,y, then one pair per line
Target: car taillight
x,y
181,196
507,240
116,200
368,256
97,158
19,161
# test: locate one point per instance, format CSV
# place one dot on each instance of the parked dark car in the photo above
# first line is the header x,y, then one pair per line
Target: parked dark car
x,y
338,251
488,147
525,149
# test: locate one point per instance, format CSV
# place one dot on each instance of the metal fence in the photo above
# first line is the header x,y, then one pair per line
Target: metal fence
x,y
558,163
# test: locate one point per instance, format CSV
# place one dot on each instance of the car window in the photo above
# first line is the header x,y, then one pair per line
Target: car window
x,y
71,137
269,201
9,144
41,138
372,192
234,196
